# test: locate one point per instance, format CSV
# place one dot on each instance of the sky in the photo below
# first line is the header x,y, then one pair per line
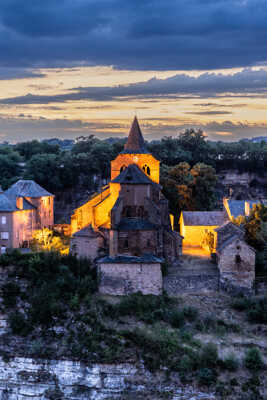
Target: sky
x,y
72,68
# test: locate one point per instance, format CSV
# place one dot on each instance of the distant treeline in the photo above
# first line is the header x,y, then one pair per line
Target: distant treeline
x,y
58,167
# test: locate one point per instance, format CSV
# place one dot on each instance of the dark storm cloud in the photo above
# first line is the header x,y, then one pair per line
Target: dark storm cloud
x,y
135,34
245,83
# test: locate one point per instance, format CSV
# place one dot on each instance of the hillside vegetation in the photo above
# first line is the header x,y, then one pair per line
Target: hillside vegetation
x,y
54,311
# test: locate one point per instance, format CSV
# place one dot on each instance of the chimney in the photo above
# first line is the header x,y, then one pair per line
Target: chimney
x,y
19,203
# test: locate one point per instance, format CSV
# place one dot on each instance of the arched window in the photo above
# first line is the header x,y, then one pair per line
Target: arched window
x,y
146,169
123,167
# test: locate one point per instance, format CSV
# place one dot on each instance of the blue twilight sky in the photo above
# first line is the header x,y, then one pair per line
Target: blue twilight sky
x,y
87,66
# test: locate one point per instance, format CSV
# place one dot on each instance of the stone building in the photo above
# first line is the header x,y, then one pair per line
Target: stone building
x,y
130,221
236,260
24,208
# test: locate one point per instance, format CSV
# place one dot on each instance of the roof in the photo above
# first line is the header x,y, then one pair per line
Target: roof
x,y
236,207
26,188
230,241
133,175
135,224
204,218
124,259
135,143
8,204
86,232
229,223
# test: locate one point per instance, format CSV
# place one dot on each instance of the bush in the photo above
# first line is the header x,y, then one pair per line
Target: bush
x,y
190,313
253,359
207,376
209,356
231,363
18,324
256,308
10,291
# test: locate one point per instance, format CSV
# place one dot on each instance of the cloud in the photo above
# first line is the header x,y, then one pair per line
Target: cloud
x,y
247,83
134,34
23,128
7,73
215,112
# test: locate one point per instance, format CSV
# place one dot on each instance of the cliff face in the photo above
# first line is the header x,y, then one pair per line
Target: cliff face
x,y
25,378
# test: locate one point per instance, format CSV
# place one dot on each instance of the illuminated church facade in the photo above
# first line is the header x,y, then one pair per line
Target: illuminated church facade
x,y
128,223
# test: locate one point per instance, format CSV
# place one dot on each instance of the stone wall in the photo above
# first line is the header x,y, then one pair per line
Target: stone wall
x,y
123,279
176,284
28,379
236,263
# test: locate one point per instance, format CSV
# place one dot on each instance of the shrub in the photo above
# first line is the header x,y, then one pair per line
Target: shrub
x,y
18,323
253,359
207,376
10,291
231,363
190,313
209,356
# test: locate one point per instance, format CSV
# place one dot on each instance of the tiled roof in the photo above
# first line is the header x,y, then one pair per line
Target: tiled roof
x,y
121,259
133,175
27,188
204,218
135,143
227,225
135,224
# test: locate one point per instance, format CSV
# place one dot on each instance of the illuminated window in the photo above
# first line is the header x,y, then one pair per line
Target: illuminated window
x,y
3,220
146,169
123,167
4,235
3,250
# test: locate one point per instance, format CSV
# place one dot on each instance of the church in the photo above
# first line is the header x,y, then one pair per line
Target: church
x,y
127,227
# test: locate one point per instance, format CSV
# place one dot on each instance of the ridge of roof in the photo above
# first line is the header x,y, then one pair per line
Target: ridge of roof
x,y
133,175
26,188
205,218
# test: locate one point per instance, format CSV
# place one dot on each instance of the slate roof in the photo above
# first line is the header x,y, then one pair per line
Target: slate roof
x,y
8,204
135,224
204,218
27,188
236,207
227,224
135,143
133,175
86,232
230,241
123,259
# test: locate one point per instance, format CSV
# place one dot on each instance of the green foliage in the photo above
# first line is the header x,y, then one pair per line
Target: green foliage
x,y
209,356
253,359
10,291
231,363
207,376
255,308
9,166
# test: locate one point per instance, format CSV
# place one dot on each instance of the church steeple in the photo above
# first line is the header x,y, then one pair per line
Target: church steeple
x,y
135,152
135,142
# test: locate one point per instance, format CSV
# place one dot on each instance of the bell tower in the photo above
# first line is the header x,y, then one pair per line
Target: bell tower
x,y
135,152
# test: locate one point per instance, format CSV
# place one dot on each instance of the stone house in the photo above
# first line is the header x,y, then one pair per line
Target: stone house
x,y
194,225
24,208
129,221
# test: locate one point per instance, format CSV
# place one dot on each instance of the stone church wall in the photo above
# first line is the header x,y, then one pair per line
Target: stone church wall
x,y
124,279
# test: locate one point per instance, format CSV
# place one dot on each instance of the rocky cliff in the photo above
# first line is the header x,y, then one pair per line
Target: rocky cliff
x,y
25,378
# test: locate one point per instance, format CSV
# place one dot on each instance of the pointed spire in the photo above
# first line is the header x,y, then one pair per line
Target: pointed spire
x,y
135,142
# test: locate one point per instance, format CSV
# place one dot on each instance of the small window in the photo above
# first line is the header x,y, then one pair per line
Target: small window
x,y
146,169
237,259
3,220
123,167
126,244
3,250
4,235
238,247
